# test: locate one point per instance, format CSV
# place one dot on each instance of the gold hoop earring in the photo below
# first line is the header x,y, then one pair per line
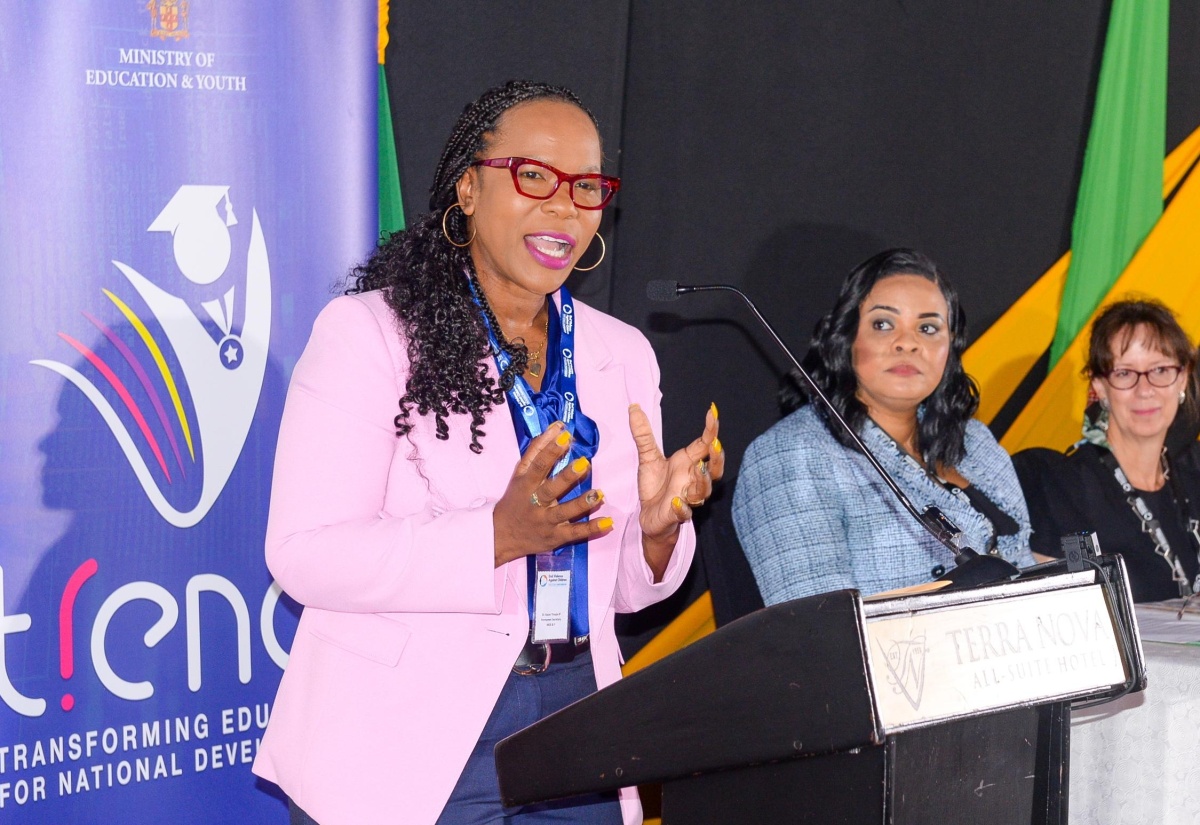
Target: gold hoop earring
x,y
603,249
446,231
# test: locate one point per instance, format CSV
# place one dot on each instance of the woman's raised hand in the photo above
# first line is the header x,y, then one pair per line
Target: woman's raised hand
x,y
528,518
670,488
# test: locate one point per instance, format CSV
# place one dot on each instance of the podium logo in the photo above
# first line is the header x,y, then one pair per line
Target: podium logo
x,y
220,363
905,661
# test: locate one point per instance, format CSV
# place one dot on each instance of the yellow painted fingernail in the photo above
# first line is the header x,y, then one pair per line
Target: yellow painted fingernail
x,y
563,439
580,465
713,406
717,445
700,465
677,503
604,523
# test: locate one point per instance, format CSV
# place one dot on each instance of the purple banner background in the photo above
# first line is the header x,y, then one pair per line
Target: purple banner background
x,y
128,329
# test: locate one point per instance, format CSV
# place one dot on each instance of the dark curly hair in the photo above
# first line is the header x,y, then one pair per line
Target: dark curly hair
x,y
943,423
421,274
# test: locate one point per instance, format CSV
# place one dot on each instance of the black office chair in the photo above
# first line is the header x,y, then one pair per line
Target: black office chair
x,y
730,581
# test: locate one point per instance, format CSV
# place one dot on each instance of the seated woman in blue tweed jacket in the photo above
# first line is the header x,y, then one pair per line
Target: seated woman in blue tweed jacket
x,y
811,513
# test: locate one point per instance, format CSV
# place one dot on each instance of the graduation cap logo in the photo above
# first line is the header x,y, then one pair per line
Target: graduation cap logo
x,y
147,411
201,233
202,249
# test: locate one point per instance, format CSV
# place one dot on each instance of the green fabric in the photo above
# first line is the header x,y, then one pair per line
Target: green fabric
x,y
1120,192
391,206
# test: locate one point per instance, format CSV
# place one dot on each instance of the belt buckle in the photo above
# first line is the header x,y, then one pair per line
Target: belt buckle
x,y
522,667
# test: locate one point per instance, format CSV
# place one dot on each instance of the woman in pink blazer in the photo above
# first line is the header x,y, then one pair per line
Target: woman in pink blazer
x,y
468,486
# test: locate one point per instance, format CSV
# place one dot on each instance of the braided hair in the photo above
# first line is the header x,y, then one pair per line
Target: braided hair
x,y
941,430
421,274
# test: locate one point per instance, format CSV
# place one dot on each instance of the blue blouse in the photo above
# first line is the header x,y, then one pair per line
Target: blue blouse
x,y
813,516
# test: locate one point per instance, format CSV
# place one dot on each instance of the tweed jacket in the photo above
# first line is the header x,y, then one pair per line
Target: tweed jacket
x,y
409,629
813,516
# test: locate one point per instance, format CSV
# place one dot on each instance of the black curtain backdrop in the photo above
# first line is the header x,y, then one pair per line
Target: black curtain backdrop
x,y
441,56
773,146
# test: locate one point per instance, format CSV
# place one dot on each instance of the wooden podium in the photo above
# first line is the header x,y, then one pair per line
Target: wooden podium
x,y
943,707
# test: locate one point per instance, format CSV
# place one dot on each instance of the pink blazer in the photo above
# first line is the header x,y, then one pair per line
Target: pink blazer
x,y
409,630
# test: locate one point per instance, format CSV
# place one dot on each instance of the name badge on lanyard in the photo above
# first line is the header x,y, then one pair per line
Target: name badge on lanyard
x,y
552,597
557,579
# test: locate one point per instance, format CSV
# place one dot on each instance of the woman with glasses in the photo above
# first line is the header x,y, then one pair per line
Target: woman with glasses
x,y
811,513
1134,479
469,484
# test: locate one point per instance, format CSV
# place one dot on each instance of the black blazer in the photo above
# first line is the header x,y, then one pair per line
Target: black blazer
x,y
1077,492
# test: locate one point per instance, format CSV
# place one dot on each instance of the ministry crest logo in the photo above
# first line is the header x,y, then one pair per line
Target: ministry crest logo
x,y
168,19
209,371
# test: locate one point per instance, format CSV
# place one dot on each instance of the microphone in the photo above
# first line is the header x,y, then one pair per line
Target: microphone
x,y
971,568
664,290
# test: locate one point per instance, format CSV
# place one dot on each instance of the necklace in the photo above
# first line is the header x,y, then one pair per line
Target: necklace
x,y
534,364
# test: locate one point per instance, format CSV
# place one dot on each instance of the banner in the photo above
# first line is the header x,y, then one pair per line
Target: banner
x,y
181,184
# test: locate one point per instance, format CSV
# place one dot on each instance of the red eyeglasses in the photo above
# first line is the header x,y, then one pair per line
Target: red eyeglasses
x,y
540,181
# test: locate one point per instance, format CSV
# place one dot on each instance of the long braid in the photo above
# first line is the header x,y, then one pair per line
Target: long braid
x,y
422,276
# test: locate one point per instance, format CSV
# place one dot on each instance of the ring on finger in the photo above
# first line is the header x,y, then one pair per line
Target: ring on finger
x,y
534,500
684,496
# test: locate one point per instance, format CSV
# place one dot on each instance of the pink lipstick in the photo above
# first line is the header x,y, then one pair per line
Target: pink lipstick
x,y
551,249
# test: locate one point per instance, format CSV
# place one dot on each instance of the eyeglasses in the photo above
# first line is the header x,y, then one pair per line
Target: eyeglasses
x,y
1124,379
540,181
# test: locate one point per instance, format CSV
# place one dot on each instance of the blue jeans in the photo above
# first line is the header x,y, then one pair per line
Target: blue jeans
x,y
523,701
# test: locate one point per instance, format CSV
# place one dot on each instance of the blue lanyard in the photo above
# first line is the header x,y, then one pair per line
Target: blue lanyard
x,y
533,412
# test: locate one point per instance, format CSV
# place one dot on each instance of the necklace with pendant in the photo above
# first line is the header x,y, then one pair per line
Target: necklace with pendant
x,y
534,364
